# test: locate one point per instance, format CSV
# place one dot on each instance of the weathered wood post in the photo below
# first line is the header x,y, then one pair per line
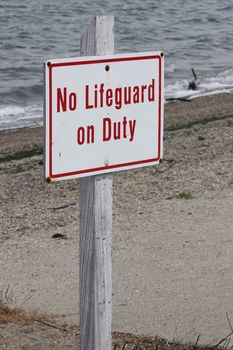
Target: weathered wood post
x,y
96,225
139,142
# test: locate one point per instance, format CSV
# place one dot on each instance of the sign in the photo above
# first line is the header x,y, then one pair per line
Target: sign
x,y
103,114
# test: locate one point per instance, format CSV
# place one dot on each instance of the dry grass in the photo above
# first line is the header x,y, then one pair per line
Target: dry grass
x,y
121,341
19,316
10,314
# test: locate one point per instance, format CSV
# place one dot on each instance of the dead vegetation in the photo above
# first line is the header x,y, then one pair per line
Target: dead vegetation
x,y
123,341
17,315
22,318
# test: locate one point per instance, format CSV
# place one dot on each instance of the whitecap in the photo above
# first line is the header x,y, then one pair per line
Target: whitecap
x,y
222,82
13,116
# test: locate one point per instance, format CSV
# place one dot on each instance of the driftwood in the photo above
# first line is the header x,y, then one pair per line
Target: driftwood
x,y
53,325
63,206
185,99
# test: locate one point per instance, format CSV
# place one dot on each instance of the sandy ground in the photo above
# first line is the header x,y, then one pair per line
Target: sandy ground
x,y
172,256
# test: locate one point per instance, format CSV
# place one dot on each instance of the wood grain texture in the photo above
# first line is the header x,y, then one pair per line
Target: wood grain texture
x,y
96,225
99,37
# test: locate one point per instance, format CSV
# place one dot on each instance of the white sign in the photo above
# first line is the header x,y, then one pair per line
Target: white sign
x,y
103,114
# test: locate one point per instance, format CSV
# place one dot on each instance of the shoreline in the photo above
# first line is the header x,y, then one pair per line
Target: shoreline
x,y
177,115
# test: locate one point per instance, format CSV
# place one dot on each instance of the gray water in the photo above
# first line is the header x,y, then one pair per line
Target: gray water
x,y
191,34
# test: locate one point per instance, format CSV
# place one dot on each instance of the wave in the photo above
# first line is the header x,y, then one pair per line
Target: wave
x,y
14,116
223,82
18,113
20,95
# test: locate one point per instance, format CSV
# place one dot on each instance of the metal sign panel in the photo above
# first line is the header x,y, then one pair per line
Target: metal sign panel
x,y
103,114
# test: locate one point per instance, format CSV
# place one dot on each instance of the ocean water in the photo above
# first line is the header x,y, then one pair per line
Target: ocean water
x,y
192,34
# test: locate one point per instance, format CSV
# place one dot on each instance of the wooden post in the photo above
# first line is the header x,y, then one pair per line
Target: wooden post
x,y
96,225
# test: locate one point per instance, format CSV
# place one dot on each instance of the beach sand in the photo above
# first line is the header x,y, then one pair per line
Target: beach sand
x,y
172,234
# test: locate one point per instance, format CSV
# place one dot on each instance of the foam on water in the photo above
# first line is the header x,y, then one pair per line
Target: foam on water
x,y
15,116
12,117
223,82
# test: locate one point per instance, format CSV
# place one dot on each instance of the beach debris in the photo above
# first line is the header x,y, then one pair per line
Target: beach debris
x,y
185,99
59,236
53,325
63,206
195,82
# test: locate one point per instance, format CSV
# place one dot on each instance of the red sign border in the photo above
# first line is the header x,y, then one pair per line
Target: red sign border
x,y
106,167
